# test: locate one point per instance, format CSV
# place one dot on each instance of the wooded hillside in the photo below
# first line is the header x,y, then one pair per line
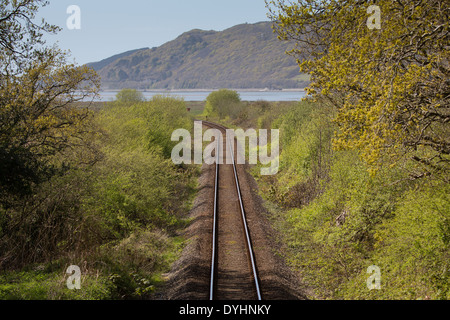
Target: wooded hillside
x,y
244,56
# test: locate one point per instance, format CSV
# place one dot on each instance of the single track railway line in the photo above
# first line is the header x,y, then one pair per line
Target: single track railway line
x,y
234,273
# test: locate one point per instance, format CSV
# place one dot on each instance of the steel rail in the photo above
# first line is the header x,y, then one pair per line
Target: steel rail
x,y
214,237
247,234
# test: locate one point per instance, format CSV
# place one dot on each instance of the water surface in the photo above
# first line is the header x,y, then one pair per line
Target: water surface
x,y
191,95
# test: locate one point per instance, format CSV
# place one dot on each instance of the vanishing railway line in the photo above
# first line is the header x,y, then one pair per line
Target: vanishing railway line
x,y
233,268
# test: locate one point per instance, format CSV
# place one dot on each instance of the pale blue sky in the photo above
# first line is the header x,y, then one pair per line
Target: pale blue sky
x,y
111,27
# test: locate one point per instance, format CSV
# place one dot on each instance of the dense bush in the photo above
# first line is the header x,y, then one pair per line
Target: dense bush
x,y
337,218
130,96
223,103
116,217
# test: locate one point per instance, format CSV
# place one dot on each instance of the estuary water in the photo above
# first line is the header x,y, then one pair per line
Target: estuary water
x,y
200,95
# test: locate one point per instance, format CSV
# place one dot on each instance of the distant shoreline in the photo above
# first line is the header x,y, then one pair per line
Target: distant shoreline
x,y
209,90
202,94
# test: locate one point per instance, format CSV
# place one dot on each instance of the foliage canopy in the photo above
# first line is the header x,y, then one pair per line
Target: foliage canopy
x,y
390,86
130,95
37,90
223,102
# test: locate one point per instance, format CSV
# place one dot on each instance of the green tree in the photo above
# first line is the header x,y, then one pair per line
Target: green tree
x,y
222,103
389,85
43,134
130,95
37,90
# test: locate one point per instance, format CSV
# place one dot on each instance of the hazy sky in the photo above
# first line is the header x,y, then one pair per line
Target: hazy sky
x,y
111,27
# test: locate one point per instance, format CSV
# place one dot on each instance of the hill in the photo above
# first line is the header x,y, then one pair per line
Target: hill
x,y
243,56
103,63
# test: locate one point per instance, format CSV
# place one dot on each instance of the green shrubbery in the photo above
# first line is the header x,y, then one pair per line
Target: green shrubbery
x,y
392,209
337,219
130,96
223,103
116,217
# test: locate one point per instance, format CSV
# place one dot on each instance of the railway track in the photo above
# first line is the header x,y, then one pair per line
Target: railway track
x,y
234,272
